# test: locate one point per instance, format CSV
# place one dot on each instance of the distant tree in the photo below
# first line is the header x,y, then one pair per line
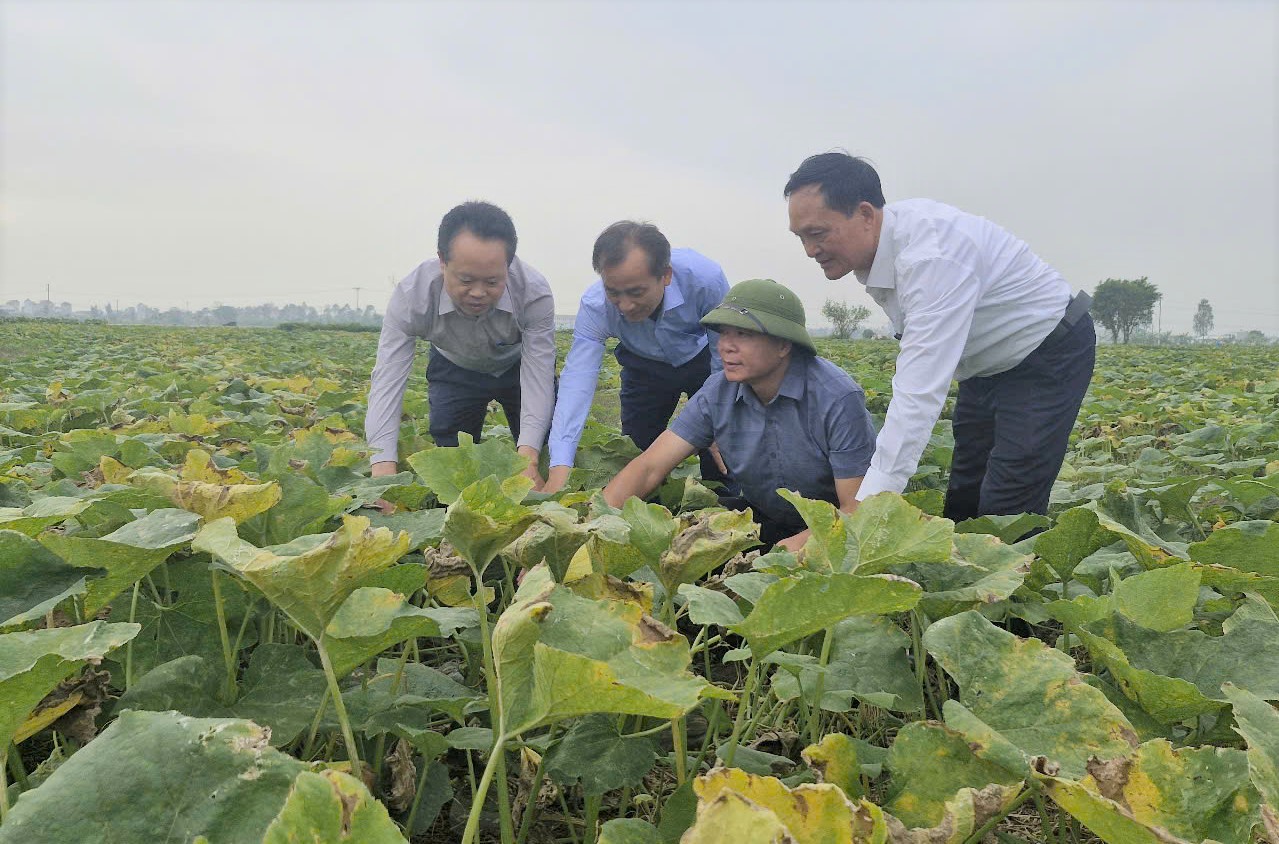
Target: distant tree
x,y
1203,319
844,317
1122,304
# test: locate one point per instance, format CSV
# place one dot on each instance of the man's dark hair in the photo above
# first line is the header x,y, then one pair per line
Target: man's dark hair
x,y
482,219
844,181
615,242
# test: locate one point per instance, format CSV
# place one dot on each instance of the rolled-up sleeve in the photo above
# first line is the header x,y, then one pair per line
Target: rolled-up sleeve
x,y
395,350
537,366
851,435
696,423
577,383
939,298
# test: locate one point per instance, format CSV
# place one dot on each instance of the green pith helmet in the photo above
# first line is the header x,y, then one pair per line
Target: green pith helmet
x,y
763,305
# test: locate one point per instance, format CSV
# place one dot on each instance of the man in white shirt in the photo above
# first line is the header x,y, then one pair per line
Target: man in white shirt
x,y
969,301
490,320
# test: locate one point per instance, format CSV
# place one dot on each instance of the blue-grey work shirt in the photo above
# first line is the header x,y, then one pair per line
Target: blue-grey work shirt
x,y
816,429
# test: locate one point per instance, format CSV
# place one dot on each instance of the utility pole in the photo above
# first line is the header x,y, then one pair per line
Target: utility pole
x,y
1161,320
357,297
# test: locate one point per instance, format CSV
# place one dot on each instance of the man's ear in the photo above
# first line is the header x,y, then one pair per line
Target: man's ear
x,y
666,277
443,260
784,347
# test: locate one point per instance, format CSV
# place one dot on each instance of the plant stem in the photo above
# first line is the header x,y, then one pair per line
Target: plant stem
x,y
417,797
980,834
477,802
740,720
592,818
352,750
921,664
315,725
228,658
128,649
526,822
681,751
505,822
815,723
4,784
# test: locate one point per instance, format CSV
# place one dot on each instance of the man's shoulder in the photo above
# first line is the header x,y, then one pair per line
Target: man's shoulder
x,y
696,267
420,288
529,281
830,379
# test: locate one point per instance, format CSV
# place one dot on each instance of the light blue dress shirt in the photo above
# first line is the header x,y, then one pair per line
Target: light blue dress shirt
x,y
816,429
697,286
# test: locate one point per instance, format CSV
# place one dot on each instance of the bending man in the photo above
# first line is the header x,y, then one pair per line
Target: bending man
x,y
969,301
783,417
652,299
490,320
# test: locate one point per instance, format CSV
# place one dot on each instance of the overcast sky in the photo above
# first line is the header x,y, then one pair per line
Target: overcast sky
x,y
183,152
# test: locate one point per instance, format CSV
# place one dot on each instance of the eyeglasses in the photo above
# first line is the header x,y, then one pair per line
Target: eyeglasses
x,y
743,311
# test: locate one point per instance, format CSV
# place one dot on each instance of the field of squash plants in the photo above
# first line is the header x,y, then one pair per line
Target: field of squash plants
x,y
210,635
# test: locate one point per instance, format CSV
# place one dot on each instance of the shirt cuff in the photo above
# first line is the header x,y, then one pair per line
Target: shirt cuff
x,y
388,454
562,454
877,481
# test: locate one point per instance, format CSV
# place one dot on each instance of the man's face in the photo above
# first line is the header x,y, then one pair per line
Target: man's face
x,y
838,242
632,287
749,356
475,274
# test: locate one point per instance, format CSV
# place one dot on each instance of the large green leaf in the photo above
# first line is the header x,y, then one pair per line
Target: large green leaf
x,y
553,539
1258,722
643,534
885,531
33,580
448,471
826,545
805,603
729,800
331,807
1161,599
239,502
929,765
1007,529
982,571
304,508
705,544
371,620
127,554
1190,793
1028,693
310,583
559,655
40,514
1247,654
1075,536
215,778
33,662
1247,546
595,754
484,519
281,689
868,662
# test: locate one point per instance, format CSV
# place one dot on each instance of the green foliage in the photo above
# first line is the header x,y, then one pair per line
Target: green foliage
x,y
134,460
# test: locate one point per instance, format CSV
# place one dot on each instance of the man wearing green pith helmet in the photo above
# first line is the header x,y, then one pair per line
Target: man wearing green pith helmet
x,y
783,417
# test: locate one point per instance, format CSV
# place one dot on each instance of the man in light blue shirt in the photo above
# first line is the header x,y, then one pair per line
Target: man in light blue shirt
x,y
652,299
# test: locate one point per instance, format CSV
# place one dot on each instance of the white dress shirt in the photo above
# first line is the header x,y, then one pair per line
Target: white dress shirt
x,y
968,300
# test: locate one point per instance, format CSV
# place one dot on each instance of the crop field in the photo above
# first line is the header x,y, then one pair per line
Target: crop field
x,y
209,634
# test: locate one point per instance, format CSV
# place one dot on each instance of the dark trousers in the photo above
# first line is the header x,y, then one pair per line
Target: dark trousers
x,y
1012,429
650,391
459,399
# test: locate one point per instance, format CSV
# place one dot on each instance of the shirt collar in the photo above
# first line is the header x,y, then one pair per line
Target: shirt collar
x,y
503,304
674,295
881,270
792,386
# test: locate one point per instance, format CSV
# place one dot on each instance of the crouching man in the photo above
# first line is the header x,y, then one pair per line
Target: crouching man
x,y
783,417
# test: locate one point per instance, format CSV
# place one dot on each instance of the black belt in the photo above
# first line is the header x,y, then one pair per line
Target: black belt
x,y
1079,304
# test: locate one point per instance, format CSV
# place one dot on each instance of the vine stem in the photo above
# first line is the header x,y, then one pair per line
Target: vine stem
x,y
128,650
976,837
740,720
352,750
681,751
228,658
815,723
496,760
